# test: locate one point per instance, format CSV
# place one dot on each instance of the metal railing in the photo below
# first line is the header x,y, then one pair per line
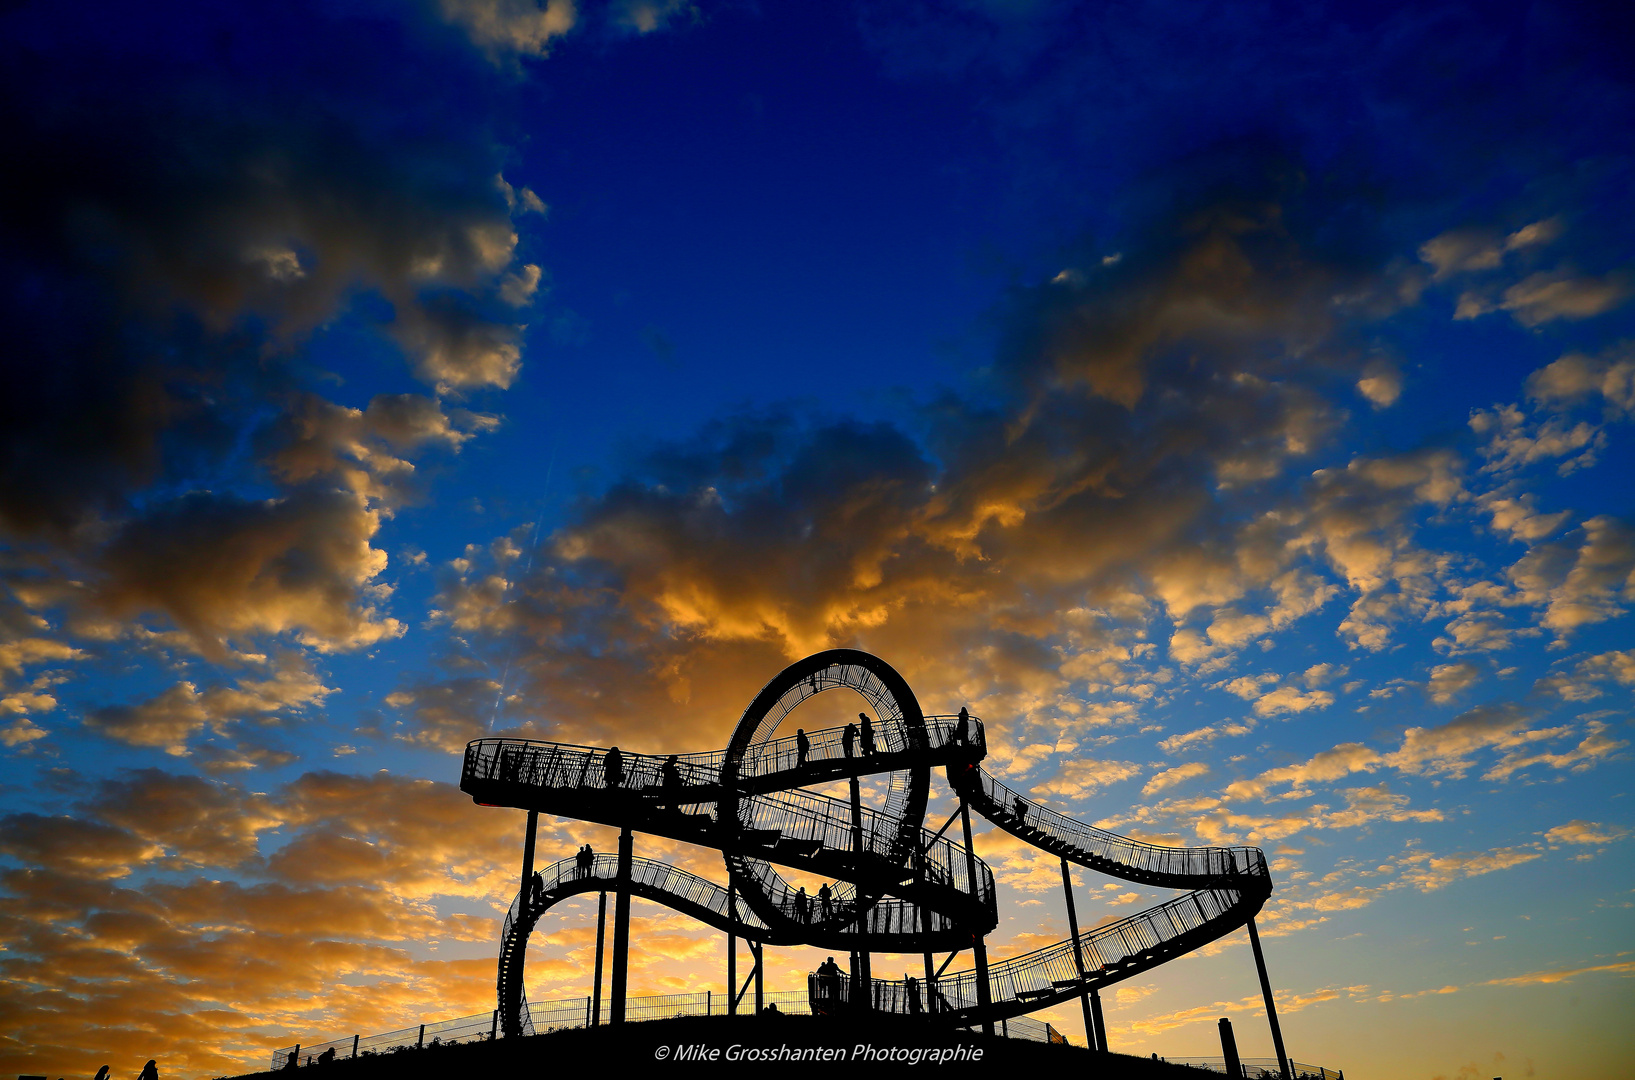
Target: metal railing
x,y
832,996
1040,978
570,766
1000,804
1261,1068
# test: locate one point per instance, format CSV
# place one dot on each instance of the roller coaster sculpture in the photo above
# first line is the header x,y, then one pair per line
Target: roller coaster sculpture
x,y
894,886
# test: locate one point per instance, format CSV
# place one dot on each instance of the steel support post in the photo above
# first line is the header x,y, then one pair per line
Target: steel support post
x,y
601,948
862,977
732,952
1229,1050
528,854
621,931
979,948
1271,1006
760,970
1101,1025
1078,957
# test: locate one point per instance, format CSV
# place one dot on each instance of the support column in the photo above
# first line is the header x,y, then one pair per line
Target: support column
x,y
528,853
760,969
1101,1026
979,948
601,948
862,978
1229,1050
732,952
1271,1005
621,931
1078,957
928,989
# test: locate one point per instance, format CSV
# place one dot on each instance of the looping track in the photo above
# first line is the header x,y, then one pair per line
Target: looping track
x,y
894,886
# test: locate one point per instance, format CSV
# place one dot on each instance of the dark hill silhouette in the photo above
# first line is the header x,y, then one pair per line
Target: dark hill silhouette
x,y
634,1050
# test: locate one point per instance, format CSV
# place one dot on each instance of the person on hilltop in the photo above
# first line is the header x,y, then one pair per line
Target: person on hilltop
x,y
150,1071
868,734
327,1057
613,768
102,1073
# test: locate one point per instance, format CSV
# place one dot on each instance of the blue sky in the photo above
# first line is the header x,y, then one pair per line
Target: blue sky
x,y
1229,403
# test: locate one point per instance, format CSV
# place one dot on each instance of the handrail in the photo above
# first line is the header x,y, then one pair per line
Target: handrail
x,y
1107,852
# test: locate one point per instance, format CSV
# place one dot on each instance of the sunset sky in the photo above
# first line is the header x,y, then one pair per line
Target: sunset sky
x,y
1233,404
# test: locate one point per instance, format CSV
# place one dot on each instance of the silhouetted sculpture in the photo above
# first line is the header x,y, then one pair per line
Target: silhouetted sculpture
x,y
946,894
150,1071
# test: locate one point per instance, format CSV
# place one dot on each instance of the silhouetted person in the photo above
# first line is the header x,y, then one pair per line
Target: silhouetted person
x,y
803,746
913,995
539,888
868,734
826,898
292,1061
613,768
848,739
327,1056
672,780
771,1009
803,906
962,730
828,974
102,1073
1021,811
150,1071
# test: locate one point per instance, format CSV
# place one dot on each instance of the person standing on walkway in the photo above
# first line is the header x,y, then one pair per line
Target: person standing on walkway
x,y
826,898
868,734
803,906
962,730
613,768
803,746
848,739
